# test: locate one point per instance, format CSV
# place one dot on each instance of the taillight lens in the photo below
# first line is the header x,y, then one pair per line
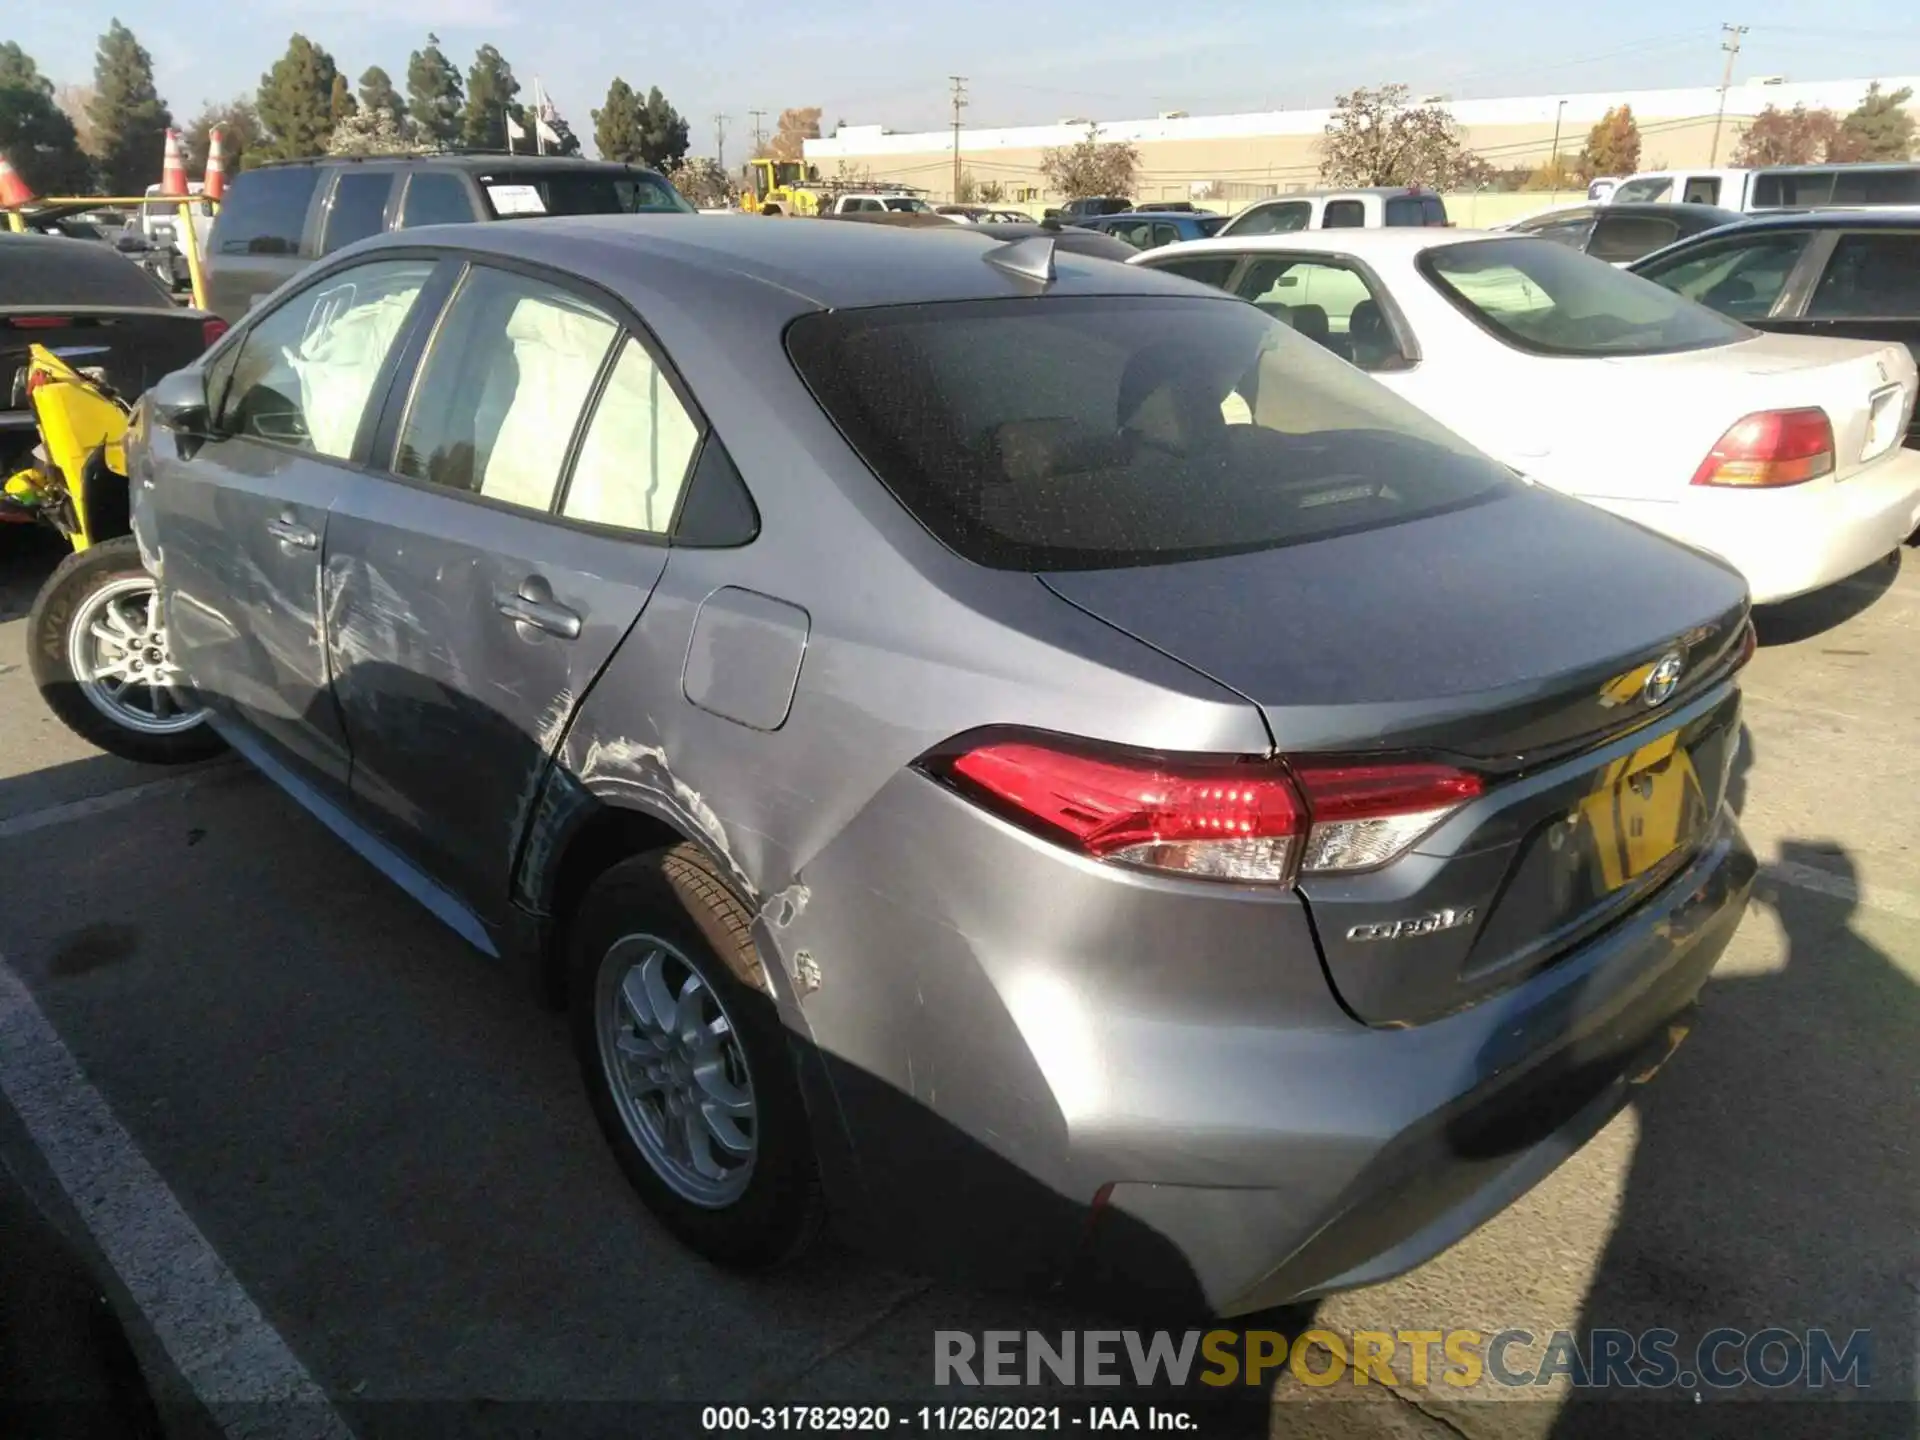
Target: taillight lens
x,y
1366,815
1772,448
1252,821
212,330
40,322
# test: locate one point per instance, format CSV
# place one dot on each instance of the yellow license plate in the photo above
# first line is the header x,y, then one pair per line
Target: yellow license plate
x,y
1642,808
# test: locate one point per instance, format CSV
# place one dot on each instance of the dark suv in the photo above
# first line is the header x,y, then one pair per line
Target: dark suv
x,y
279,218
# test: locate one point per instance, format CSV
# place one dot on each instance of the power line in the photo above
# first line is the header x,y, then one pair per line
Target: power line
x,y
759,130
959,103
1731,44
720,139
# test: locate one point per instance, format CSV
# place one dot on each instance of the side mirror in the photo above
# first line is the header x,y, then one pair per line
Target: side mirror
x,y
180,402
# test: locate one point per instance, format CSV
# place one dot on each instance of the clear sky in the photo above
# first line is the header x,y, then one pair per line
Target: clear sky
x,y
887,61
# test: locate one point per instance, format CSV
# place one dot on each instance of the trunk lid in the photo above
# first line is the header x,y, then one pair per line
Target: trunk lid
x,y
133,347
1515,638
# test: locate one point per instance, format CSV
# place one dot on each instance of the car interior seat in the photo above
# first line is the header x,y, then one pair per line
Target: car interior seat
x,y
1368,337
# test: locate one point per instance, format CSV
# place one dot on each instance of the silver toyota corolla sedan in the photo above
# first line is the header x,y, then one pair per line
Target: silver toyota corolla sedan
x,y
1027,756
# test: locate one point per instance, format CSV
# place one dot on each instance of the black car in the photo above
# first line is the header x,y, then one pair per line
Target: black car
x,y
1621,234
99,310
1088,206
1851,274
278,219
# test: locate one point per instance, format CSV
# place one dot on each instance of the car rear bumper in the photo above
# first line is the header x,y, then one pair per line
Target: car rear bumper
x,y
1023,1066
1598,1024
1792,541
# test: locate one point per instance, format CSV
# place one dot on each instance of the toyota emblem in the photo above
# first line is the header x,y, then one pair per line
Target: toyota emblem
x,y
1664,678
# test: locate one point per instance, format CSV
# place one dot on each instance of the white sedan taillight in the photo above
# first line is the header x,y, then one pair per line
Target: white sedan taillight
x,y
1253,821
1770,449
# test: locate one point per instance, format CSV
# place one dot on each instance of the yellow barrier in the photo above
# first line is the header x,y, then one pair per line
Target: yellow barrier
x,y
189,237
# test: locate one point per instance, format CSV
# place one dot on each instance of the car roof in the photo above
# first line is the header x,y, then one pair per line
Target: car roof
x,y
1392,191
831,266
1901,218
1653,209
1399,240
492,161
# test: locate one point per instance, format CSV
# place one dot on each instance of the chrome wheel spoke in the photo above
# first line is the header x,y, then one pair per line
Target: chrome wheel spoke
x,y
107,636
153,611
117,652
679,1075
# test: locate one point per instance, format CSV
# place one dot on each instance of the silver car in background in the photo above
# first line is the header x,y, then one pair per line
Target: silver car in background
x,y
1027,755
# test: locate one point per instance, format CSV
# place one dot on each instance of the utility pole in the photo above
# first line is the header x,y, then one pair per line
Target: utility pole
x,y
959,104
759,130
1730,44
720,140
1555,162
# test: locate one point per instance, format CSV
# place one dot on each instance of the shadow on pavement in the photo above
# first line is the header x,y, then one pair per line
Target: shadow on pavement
x,y
1776,1183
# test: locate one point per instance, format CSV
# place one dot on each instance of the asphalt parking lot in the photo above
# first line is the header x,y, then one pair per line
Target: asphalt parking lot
x,y
327,1153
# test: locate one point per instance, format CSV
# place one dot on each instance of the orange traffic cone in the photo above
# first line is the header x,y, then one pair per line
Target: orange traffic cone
x,y
13,190
215,187
173,169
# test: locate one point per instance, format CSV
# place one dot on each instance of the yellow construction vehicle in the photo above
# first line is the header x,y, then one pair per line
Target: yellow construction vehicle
x,y
780,187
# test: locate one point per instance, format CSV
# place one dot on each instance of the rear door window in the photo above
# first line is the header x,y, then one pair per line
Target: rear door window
x,y
1897,185
1328,302
1702,190
502,388
1619,239
435,197
1647,188
357,208
1214,270
1406,211
528,192
1344,215
1870,275
638,449
1792,189
303,373
1089,432
1741,278
266,211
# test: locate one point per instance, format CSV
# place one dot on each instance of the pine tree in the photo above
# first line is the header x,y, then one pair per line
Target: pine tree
x,y
663,134
340,101
490,91
1881,128
569,142
377,93
434,93
296,101
130,120
36,136
616,125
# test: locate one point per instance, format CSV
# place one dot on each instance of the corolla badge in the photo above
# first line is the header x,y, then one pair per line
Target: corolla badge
x,y
1664,678
1413,925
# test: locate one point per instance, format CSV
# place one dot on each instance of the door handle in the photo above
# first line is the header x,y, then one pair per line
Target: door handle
x,y
291,532
539,610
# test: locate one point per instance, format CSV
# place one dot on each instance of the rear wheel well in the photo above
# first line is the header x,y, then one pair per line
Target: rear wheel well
x,y
610,836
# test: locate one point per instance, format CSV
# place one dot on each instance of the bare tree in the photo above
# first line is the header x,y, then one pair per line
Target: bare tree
x,y
794,129
1091,167
703,182
1376,137
73,100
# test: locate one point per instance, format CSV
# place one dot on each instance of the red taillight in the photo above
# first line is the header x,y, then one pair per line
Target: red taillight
x,y
1245,820
212,330
1774,447
40,322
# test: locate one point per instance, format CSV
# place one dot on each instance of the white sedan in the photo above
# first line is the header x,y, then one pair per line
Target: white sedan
x,y
1780,453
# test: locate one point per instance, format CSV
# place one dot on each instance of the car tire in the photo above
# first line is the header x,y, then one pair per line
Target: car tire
x,y
665,927
101,584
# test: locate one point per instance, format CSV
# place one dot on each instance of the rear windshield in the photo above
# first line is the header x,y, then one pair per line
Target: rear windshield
x,y
580,192
44,272
1079,433
1653,187
1547,299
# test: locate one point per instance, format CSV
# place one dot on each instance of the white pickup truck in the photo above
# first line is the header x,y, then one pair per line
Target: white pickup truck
x,y
877,202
